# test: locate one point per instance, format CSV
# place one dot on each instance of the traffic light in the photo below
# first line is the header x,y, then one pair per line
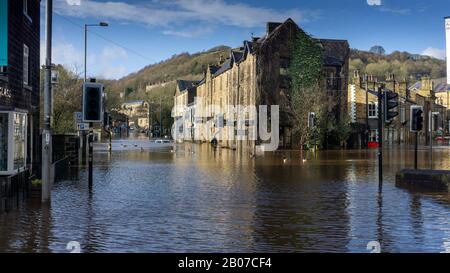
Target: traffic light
x,y
390,102
92,102
416,118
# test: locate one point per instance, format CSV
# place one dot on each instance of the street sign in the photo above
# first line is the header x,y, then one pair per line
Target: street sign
x,y
3,32
82,126
78,117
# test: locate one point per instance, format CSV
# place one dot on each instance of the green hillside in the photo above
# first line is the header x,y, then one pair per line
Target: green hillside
x,y
403,64
162,76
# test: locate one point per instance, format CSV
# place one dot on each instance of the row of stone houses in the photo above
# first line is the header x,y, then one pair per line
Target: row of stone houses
x,y
254,74
363,109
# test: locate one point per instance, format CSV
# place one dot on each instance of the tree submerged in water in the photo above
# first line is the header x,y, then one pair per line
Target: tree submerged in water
x,y
305,96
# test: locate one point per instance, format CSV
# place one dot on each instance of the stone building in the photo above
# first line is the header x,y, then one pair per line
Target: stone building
x,y
19,86
363,110
137,113
184,109
256,74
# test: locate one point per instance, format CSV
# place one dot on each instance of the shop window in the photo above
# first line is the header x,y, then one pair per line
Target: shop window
x,y
3,142
13,142
20,128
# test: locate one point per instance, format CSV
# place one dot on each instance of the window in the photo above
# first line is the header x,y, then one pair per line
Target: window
x,y
372,109
25,7
26,54
3,142
403,114
25,10
373,136
284,66
13,142
20,127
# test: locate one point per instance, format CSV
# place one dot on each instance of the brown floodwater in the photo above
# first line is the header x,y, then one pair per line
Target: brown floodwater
x,y
197,199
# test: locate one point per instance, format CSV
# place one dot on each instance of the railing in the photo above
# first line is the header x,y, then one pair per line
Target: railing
x,y
13,189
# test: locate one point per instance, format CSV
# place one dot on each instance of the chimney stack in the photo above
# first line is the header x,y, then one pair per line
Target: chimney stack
x,y
447,32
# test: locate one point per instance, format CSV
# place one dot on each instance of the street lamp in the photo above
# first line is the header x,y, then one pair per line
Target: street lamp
x,y
90,136
101,24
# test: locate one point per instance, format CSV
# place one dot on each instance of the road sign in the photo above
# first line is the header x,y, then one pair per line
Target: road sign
x,y
78,117
82,126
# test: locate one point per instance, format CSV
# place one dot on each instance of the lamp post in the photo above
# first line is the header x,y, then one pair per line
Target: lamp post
x,y
101,24
90,136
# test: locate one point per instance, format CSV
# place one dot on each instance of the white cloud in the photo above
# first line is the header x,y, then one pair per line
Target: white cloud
x,y
189,33
109,64
178,12
374,2
435,52
63,53
74,2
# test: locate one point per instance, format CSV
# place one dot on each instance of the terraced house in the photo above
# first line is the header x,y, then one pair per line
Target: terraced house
x,y
19,87
257,74
363,109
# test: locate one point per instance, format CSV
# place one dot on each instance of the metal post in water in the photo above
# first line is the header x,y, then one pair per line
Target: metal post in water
x,y
91,154
380,138
415,150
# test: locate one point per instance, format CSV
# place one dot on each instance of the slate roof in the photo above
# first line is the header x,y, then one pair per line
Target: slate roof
x,y
213,69
237,55
335,52
440,85
225,66
184,84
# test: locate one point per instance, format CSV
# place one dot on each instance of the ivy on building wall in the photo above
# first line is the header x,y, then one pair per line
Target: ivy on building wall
x,y
306,62
305,95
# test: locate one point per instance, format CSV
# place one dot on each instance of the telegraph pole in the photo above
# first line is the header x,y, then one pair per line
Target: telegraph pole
x,y
46,134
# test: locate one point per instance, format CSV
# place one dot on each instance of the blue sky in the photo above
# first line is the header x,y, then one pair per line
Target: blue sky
x,y
143,32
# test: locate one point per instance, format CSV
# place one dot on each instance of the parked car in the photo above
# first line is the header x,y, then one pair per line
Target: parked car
x,y
162,141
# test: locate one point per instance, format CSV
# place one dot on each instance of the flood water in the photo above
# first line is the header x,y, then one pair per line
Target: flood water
x,y
197,199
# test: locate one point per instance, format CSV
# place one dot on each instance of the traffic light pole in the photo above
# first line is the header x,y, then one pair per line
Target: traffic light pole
x,y
380,138
430,127
91,153
415,149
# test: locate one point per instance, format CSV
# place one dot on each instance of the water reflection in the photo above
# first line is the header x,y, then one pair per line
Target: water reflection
x,y
196,198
